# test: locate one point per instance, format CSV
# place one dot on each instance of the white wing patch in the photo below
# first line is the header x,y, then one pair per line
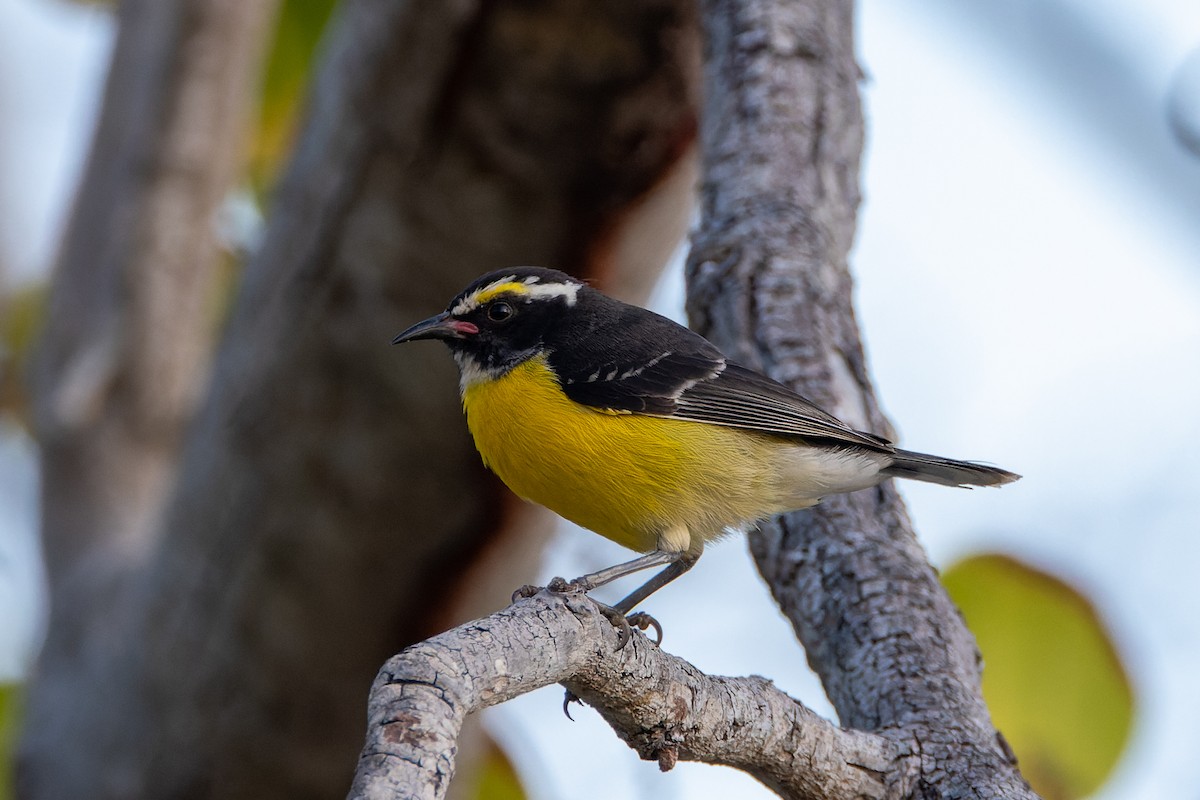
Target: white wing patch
x,y
717,370
633,373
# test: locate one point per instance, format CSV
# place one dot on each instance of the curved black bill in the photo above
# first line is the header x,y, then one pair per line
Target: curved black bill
x,y
441,326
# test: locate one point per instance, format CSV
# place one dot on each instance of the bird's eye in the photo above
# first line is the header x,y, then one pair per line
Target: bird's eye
x,y
499,312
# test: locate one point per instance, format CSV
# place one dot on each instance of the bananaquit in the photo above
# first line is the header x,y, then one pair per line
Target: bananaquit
x,y
639,429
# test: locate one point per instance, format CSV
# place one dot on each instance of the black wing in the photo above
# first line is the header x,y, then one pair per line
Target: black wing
x,y
667,370
630,359
743,398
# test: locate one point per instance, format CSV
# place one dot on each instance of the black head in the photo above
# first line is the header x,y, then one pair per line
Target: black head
x,y
502,319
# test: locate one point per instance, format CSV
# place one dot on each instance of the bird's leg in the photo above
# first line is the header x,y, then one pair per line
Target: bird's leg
x,y
677,564
592,580
675,549
641,619
685,562
596,579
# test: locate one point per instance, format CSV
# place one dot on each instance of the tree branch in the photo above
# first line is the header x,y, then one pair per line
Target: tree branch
x,y
659,704
769,283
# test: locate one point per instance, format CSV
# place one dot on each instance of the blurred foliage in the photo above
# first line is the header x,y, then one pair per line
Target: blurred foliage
x,y
10,712
1053,678
495,777
298,31
21,314
285,83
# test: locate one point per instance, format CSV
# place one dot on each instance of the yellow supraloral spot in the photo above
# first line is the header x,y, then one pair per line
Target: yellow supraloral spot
x,y
495,290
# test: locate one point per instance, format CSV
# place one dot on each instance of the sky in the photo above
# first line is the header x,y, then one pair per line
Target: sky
x,y
1029,290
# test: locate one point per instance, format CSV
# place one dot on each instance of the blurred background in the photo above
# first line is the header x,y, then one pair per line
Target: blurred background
x,y
1028,268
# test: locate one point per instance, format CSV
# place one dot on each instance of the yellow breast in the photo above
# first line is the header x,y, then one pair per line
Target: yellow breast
x,y
625,476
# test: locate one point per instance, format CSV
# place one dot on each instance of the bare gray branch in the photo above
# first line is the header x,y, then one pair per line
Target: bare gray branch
x,y
662,706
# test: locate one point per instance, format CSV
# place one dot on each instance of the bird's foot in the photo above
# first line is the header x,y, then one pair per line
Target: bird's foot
x,y
563,586
623,624
525,592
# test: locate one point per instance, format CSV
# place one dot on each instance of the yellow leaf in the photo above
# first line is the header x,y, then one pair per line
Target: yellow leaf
x,y
495,777
1053,678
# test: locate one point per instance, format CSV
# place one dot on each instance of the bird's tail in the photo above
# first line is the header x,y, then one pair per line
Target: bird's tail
x,y
946,471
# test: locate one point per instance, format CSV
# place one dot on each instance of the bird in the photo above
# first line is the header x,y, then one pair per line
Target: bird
x,y
639,429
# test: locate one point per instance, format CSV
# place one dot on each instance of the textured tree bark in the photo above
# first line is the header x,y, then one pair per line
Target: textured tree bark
x,y
129,330
130,323
330,508
768,282
662,706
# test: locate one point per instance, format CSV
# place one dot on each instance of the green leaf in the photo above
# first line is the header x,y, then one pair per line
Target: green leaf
x,y
10,714
1053,678
285,83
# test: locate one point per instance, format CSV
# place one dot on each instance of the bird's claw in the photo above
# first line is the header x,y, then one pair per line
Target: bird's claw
x,y
644,622
618,621
556,585
568,698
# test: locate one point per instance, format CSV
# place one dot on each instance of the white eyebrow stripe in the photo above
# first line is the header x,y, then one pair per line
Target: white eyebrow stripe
x,y
531,288
567,291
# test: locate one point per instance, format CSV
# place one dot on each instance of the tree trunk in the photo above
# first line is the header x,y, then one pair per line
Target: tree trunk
x,y
329,507
121,362
769,283
130,323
